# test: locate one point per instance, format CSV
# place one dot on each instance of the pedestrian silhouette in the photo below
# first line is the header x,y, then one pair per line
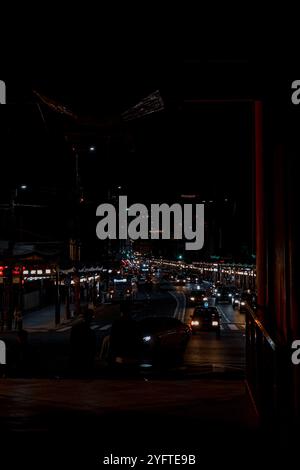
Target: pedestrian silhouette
x,y
18,318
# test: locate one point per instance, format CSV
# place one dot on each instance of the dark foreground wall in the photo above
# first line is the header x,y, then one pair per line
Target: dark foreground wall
x,y
277,188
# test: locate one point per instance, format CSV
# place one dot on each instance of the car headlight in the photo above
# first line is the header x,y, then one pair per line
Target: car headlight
x,y
205,298
146,339
192,298
215,323
243,303
229,295
195,323
219,295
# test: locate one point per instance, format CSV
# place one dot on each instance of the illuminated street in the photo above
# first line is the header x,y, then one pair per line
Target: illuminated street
x,y
149,261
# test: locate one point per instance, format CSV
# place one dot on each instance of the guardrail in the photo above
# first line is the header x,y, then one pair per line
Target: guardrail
x,y
269,373
261,367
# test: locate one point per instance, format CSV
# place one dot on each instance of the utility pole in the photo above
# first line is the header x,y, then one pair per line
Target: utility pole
x,y
76,257
57,296
8,307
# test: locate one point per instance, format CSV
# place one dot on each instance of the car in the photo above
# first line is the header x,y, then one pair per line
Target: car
x,y
247,298
197,297
180,281
153,341
206,319
141,280
225,294
236,300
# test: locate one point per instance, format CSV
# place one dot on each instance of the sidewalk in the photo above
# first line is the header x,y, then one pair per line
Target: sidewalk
x,y
40,319
44,319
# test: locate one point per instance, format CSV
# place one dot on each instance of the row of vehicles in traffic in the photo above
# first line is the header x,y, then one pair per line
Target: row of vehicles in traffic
x,y
205,298
205,316
238,299
155,340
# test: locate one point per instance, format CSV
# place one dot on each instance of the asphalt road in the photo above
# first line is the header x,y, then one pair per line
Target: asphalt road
x,y
48,351
203,410
207,353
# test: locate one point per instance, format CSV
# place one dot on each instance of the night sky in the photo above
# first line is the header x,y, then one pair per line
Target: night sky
x,y
188,148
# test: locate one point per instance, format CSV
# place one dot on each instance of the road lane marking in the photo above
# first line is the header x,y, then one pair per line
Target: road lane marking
x,y
182,316
93,327
105,327
174,295
179,312
66,328
223,313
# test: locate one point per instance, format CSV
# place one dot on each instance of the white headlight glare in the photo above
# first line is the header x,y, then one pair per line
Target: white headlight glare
x,y
146,339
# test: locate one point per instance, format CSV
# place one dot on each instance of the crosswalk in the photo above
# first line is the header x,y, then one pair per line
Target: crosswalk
x,y
93,327
226,326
